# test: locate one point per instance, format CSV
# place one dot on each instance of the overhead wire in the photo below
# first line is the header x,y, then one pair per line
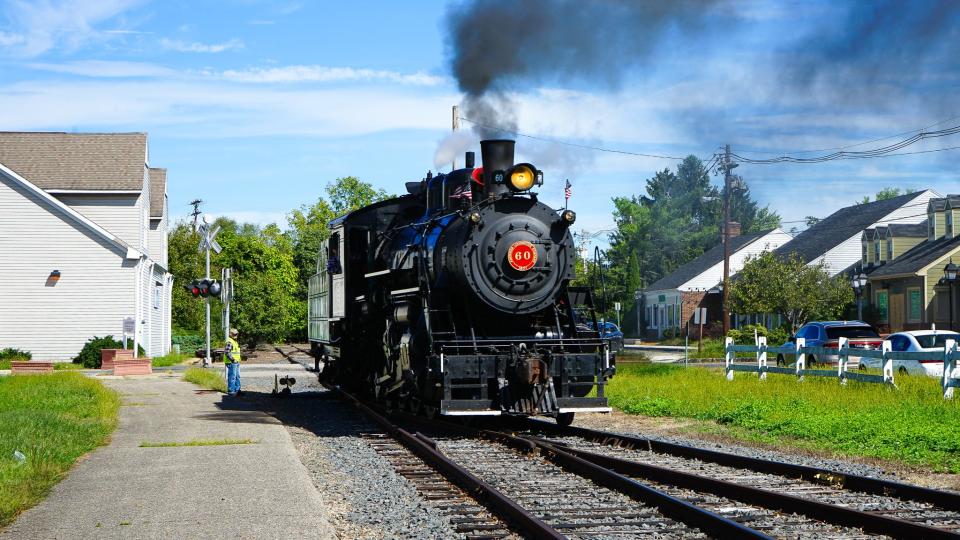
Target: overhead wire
x,y
568,143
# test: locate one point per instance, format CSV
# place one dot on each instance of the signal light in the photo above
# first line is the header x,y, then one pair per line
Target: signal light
x,y
205,288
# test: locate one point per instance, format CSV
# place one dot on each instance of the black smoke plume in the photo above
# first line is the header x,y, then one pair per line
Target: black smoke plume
x,y
496,46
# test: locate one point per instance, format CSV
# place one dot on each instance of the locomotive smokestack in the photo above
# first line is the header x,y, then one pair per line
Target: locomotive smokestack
x,y
469,160
497,156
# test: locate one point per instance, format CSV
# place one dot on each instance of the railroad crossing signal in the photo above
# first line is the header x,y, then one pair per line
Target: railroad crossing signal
x,y
205,288
208,240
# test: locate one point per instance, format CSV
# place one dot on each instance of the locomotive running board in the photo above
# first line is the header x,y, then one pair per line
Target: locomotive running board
x,y
471,413
585,409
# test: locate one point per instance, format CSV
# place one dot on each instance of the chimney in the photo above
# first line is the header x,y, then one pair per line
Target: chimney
x,y
734,229
497,156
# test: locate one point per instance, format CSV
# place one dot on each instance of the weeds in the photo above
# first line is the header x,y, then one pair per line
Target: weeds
x,y
211,379
53,420
912,424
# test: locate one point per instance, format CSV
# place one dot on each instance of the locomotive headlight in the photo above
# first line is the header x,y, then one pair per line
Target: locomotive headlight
x,y
474,217
569,216
523,176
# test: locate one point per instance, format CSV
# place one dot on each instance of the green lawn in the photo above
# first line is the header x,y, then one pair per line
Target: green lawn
x,y
171,359
210,378
913,425
52,420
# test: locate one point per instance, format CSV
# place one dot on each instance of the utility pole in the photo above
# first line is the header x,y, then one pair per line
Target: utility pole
x,y
456,127
727,181
196,212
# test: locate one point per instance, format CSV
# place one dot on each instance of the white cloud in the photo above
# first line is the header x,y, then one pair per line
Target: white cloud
x,y
292,74
9,40
196,47
106,69
41,25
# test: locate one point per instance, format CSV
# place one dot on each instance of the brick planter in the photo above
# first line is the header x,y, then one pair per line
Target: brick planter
x,y
30,367
109,356
132,366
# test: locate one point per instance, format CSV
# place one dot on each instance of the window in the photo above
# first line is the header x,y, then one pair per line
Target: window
x,y
889,249
949,222
930,225
865,252
899,343
936,341
914,305
837,332
157,295
882,297
876,251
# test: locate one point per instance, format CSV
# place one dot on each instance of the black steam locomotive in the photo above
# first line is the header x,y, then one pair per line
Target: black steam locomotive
x,y
456,298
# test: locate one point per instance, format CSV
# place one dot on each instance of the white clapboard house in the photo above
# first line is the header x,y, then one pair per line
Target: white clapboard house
x,y
83,243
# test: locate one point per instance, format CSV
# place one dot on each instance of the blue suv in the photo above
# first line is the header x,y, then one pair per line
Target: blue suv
x,y
827,334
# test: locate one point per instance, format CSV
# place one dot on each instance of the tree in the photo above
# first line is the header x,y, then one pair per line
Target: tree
x,y
798,292
888,192
349,193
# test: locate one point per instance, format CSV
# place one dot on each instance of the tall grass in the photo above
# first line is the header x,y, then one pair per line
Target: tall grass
x,y
171,359
53,420
211,379
912,424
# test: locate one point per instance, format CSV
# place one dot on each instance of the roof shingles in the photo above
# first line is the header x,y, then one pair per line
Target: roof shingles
x,y
158,191
836,228
77,161
702,263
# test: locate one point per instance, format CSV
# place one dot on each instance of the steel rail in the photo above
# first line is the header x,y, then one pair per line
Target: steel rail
x,y
874,486
709,522
501,505
829,513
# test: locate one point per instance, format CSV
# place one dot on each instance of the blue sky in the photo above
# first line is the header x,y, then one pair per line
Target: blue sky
x,y
254,106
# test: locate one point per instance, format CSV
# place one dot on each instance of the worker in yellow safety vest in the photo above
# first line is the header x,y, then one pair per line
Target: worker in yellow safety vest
x,y
231,359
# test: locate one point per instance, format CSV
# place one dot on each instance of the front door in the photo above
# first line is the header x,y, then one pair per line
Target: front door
x,y
897,313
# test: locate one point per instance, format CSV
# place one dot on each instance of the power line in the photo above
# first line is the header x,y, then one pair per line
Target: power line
x,y
862,154
567,143
924,128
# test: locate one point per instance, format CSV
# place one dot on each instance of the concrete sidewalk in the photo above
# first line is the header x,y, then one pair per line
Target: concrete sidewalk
x,y
230,491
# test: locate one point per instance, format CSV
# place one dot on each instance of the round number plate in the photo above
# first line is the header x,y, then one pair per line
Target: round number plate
x,y
522,255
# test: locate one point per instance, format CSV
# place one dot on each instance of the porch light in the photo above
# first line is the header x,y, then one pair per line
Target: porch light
x,y
950,271
54,276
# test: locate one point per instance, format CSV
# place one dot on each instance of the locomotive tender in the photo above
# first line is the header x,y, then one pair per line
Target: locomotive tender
x,y
456,298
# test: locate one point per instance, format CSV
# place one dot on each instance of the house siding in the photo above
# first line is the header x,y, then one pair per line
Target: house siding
x,y
119,214
714,275
92,297
157,244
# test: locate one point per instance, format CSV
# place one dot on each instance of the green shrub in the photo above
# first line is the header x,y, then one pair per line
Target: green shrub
x,y
89,355
10,353
189,342
745,334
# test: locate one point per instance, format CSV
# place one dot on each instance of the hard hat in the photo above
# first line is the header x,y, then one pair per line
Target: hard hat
x,y
233,332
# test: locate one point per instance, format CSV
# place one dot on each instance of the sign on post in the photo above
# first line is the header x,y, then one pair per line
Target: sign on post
x,y
700,316
129,329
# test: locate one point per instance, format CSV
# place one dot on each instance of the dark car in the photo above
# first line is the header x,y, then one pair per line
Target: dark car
x,y
611,332
827,334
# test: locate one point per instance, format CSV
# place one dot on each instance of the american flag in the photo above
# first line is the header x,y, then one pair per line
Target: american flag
x,y
462,191
567,191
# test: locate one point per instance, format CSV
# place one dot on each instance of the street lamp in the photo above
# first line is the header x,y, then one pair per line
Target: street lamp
x,y
859,283
950,275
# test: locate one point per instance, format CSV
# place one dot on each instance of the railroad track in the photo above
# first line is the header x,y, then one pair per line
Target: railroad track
x,y
546,487
874,506
654,488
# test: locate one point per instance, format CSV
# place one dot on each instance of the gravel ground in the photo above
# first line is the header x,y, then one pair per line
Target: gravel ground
x,y
364,497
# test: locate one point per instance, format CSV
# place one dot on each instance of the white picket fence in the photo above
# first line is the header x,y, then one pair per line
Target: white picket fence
x,y
949,354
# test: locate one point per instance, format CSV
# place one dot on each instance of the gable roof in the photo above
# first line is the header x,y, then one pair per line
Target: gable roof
x,y
158,191
76,161
839,226
129,252
907,230
918,257
704,262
